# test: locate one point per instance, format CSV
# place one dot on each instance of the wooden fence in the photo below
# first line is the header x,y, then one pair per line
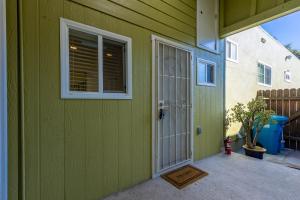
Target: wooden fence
x,y
285,102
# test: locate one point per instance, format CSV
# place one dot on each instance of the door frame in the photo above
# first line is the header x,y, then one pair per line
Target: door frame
x,y
190,49
3,104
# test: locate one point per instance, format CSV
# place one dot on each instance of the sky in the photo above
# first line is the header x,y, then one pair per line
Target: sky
x,y
286,29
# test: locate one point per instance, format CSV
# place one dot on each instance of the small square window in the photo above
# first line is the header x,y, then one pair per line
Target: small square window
x,y
206,73
95,64
287,76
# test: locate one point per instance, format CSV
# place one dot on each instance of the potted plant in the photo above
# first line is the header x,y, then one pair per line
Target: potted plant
x,y
253,118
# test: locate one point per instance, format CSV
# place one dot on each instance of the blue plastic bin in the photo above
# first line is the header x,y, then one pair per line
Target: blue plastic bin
x,y
271,134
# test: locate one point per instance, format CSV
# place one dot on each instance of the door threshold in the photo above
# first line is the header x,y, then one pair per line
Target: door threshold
x,y
176,166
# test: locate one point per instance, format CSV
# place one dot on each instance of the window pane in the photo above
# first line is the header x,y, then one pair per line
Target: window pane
x,y
233,51
268,75
210,74
201,73
114,68
287,75
83,61
261,78
260,73
260,68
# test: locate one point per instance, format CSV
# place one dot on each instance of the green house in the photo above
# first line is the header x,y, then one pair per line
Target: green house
x,y
100,95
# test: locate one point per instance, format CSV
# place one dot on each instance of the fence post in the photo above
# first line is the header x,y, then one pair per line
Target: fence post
x,y
297,123
273,100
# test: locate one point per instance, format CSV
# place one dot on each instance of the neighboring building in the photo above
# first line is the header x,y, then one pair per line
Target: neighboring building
x,y
256,61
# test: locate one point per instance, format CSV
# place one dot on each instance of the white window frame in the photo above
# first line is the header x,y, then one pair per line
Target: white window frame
x,y
65,25
237,50
265,65
3,105
290,75
203,61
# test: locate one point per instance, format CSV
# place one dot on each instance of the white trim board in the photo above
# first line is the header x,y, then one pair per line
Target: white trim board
x,y
3,104
192,75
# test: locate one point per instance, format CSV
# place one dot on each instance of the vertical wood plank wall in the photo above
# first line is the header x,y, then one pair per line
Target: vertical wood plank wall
x,y
87,149
13,108
285,102
209,109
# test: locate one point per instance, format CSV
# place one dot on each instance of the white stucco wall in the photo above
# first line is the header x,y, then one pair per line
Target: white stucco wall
x,y
241,77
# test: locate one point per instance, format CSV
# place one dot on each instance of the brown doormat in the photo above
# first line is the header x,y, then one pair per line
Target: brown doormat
x,y
184,176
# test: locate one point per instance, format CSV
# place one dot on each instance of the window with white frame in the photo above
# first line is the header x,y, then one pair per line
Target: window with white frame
x,y
264,74
287,76
206,72
95,64
231,51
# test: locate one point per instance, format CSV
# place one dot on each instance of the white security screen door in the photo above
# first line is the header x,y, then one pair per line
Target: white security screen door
x,y
173,106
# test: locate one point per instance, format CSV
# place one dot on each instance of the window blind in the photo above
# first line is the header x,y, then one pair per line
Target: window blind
x,y
113,66
83,61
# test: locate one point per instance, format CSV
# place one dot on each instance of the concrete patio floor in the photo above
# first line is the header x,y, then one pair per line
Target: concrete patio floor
x,y
287,157
232,177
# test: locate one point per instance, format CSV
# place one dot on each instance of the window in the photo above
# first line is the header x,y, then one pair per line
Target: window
x,y
206,73
95,64
264,74
231,51
287,76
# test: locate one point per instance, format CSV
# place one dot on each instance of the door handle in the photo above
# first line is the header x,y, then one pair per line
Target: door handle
x,y
161,113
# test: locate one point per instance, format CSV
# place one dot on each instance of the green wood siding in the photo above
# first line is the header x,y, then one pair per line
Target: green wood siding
x,y
236,15
209,110
87,149
13,108
151,17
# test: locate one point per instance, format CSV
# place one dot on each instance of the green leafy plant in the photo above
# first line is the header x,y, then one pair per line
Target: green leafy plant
x,y
252,116
227,120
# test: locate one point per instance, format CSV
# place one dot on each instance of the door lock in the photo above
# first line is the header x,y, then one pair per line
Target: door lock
x,y
161,113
